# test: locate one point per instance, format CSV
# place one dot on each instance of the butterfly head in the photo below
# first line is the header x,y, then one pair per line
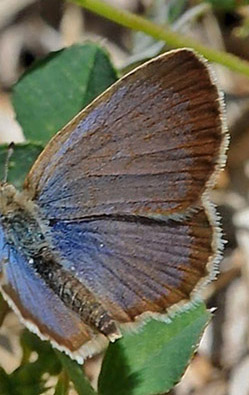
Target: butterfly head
x,y
7,197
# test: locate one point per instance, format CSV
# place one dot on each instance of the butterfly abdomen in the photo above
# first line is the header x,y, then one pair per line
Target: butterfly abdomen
x,y
75,295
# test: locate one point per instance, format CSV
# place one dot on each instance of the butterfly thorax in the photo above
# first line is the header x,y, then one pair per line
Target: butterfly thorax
x,y
11,199
26,233
19,220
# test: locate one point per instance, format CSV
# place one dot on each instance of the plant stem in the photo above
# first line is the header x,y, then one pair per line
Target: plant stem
x,y
171,38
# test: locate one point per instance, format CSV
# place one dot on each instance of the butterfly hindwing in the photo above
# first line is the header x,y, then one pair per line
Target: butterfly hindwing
x,y
39,307
135,265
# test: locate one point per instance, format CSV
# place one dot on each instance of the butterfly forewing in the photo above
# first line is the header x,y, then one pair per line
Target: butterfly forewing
x,y
147,146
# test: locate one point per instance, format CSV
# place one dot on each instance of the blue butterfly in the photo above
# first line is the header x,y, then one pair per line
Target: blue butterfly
x,y
114,222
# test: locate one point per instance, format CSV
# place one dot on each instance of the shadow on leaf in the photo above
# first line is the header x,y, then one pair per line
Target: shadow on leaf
x,y
119,379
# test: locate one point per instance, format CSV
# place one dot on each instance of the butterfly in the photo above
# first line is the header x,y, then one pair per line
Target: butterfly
x,y
114,223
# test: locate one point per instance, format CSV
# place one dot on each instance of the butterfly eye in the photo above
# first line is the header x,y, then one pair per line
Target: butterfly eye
x,y
40,236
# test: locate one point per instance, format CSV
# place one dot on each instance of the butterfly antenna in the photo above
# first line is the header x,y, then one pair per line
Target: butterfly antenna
x,y
7,161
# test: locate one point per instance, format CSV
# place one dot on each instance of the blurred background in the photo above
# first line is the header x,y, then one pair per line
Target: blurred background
x,y
30,29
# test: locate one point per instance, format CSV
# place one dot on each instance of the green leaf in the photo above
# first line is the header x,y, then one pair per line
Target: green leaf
x,y
144,46
76,375
15,384
153,360
227,4
47,358
30,377
62,386
5,384
57,88
176,8
20,162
